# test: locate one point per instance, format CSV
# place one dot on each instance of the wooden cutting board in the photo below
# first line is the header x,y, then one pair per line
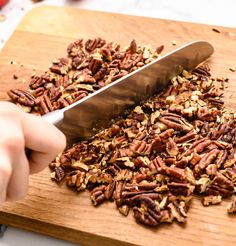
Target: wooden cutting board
x,y
43,35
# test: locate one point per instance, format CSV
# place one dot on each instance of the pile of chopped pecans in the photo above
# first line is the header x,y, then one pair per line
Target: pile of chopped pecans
x,y
89,66
178,143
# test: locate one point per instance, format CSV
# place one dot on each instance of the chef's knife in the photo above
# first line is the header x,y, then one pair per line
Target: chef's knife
x,y
84,118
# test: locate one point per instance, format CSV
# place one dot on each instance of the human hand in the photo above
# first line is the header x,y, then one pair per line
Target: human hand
x,y
19,130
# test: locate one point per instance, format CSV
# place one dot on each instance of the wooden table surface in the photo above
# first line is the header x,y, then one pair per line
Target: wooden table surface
x,y
43,35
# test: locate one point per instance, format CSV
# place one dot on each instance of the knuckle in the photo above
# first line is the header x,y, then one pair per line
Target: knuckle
x,y
13,142
61,143
6,171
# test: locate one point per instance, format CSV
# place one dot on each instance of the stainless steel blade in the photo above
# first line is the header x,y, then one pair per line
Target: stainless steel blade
x,y
85,117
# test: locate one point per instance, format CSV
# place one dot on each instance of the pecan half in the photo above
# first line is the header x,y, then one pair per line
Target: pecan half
x,y
22,97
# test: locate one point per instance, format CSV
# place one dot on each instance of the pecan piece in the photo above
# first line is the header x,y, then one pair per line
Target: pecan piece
x,y
187,137
75,47
176,173
177,123
92,44
220,186
202,70
118,193
124,209
97,195
231,208
177,210
146,211
45,104
172,148
60,66
95,65
22,97
144,217
158,164
208,200
206,160
140,147
37,82
76,180
180,189
109,190
58,174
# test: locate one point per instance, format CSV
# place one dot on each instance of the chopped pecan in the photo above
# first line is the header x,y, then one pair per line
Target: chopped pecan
x,y
158,164
172,148
44,103
187,137
166,216
124,209
178,212
37,82
109,190
207,114
144,217
90,65
83,76
159,49
202,70
60,66
149,194
211,170
76,180
206,160
95,65
97,195
142,161
208,200
132,47
190,176
176,173
232,206
58,174
179,124
202,145
92,44
140,147
118,193
220,186
75,47
180,189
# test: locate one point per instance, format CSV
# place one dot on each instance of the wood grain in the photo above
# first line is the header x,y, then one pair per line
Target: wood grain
x,y
43,35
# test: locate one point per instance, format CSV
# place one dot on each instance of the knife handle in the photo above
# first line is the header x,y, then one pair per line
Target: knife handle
x,y
3,228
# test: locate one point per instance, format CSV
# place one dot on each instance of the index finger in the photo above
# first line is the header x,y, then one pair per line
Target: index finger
x,y
44,139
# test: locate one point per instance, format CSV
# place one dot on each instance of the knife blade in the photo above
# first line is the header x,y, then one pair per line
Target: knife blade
x,y
86,117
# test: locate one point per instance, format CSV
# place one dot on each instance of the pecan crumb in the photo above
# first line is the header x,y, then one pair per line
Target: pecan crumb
x,y
216,30
15,76
208,200
174,42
